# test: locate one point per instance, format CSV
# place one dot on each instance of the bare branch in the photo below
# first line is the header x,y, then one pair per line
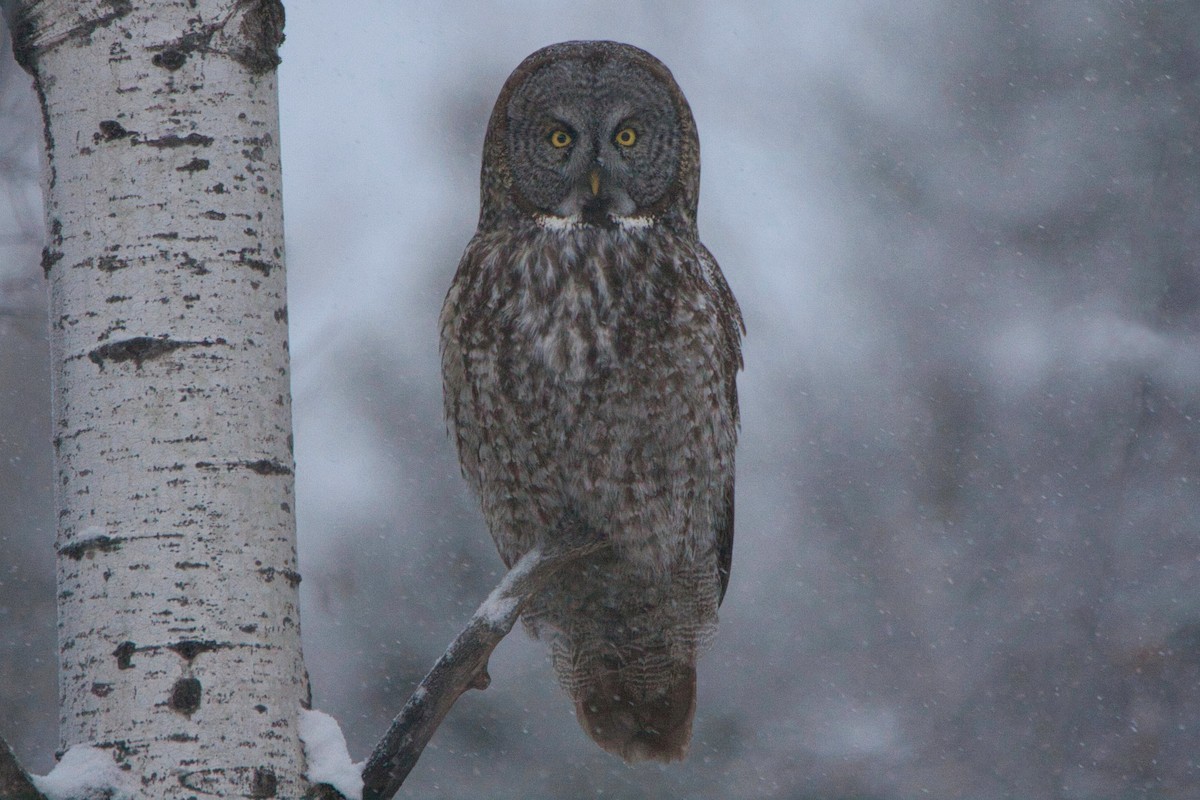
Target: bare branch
x,y
463,666
15,783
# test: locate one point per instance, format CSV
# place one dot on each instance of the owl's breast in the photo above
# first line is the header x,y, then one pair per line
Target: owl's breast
x,y
583,380
564,316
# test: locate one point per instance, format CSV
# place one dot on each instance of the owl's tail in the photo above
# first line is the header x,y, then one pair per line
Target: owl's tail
x,y
638,724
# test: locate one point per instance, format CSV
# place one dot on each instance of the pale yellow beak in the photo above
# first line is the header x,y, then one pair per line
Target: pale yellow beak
x,y
595,181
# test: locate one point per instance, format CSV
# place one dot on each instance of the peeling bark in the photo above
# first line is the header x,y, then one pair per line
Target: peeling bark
x,y
180,651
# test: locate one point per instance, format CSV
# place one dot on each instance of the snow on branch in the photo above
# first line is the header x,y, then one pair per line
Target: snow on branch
x,y
326,754
86,773
83,773
15,782
464,665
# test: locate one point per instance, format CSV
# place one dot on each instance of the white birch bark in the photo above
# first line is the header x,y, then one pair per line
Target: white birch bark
x,y
178,605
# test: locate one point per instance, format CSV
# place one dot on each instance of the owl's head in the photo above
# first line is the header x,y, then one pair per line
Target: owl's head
x,y
594,132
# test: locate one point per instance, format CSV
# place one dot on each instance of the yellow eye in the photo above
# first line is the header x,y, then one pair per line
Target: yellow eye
x,y
625,137
560,138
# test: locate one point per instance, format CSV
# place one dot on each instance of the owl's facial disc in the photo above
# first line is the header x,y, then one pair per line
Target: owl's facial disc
x,y
592,142
597,183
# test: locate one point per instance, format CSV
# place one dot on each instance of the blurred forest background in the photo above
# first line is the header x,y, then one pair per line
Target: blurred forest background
x,y
966,237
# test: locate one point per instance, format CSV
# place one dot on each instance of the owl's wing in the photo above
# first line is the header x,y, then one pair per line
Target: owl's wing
x,y
460,417
725,542
731,328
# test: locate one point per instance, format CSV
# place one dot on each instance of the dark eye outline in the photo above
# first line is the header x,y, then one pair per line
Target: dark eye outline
x,y
560,138
626,137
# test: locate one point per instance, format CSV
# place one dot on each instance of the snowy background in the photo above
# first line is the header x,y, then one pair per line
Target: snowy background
x,y
966,238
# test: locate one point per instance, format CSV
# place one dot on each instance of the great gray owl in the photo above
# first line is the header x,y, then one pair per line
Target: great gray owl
x,y
589,350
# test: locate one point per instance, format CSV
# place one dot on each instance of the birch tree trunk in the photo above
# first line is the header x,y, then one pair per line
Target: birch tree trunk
x,y
179,630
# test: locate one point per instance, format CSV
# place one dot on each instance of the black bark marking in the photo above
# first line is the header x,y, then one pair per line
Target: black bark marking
x,y
169,59
185,696
118,325
173,56
51,254
290,575
26,23
264,783
268,467
191,565
24,31
140,349
171,140
101,689
214,215
111,263
281,314
190,648
261,33
257,264
124,654
77,550
195,165
50,258
190,438
263,466
116,298
193,266
110,131
121,746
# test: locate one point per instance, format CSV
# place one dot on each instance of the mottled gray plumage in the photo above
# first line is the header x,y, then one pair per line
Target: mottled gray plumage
x,y
589,350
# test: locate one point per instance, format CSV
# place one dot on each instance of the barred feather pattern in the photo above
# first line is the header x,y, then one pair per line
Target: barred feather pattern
x,y
589,381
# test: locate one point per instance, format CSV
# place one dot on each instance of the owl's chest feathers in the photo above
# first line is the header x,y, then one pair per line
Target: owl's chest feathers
x,y
571,303
566,327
